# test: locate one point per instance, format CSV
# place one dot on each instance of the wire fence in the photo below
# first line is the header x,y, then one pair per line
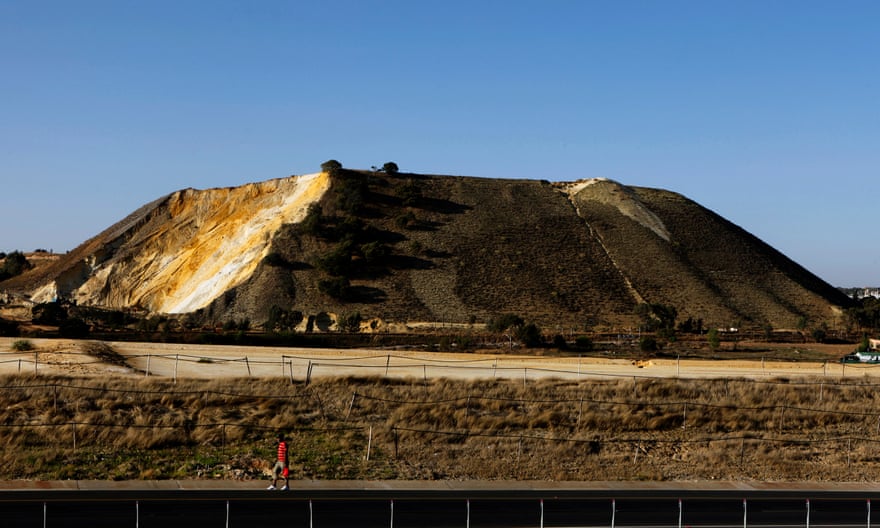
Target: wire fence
x,y
856,445
76,430
304,367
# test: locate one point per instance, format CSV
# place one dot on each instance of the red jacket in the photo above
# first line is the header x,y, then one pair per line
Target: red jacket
x,y
282,451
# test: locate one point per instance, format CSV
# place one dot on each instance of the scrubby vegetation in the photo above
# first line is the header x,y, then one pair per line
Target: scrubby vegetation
x,y
14,264
22,345
633,429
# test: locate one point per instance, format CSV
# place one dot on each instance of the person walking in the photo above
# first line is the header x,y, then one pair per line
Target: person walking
x,y
282,466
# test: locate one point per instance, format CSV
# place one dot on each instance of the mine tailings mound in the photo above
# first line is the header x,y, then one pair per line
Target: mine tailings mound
x,y
307,252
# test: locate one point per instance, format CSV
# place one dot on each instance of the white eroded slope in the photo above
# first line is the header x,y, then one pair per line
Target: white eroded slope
x,y
626,202
214,240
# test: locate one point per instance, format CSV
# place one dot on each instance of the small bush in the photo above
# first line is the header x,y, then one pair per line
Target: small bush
x,y
503,322
331,165
351,194
311,224
648,344
14,264
337,262
336,287
530,335
584,343
351,323
22,345
713,339
559,342
410,193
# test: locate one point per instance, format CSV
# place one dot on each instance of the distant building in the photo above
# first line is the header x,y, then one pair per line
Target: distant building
x,y
868,357
870,292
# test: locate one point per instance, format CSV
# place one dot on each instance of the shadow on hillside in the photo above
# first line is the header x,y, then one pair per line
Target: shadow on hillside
x,y
403,262
438,205
366,295
425,225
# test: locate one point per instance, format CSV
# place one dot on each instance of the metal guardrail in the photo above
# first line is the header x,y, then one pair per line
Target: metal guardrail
x,y
406,504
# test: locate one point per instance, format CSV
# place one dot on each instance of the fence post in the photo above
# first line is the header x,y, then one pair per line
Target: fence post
x,y
745,514
248,363
808,513
350,405
149,359
309,373
74,436
580,411
176,361
613,511
36,361
679,513
290,364
387,364
369,443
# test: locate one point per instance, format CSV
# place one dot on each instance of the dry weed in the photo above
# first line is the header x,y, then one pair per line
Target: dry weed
x,y
63,427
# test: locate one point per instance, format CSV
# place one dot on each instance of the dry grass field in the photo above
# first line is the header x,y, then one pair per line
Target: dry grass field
x,y
92,415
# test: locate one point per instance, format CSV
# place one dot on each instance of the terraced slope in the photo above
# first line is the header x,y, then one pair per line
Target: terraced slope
x,y
407,247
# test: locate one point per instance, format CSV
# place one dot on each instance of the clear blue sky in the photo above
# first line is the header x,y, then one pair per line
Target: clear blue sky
x,y
766,112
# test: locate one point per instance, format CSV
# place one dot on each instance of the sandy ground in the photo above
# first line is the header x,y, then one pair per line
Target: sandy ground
x,y
61,356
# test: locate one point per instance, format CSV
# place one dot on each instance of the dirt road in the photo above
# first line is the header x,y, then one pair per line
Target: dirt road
x,y
62,356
